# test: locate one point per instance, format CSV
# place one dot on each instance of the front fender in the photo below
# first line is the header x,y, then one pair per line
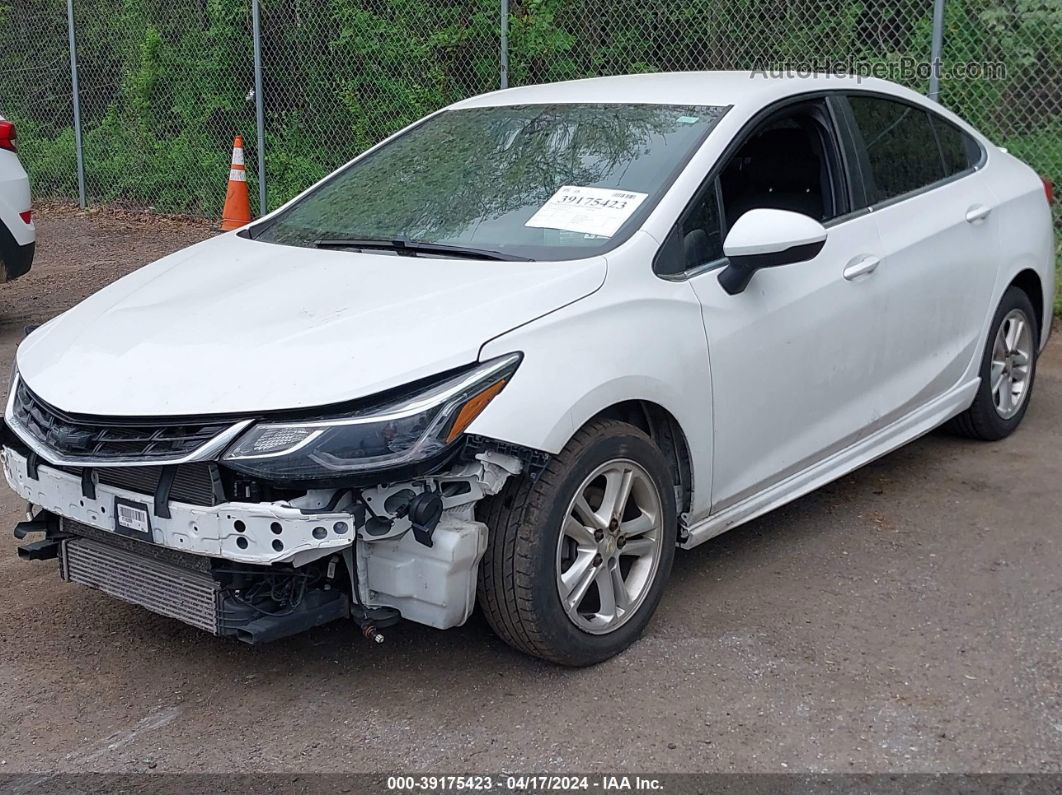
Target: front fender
x,y
635,339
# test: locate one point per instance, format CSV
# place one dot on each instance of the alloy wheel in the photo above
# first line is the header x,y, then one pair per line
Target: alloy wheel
x,y
1011,367
610,546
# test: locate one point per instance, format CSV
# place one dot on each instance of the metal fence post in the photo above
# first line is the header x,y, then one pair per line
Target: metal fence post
x,y
259,104
504,54
77,104
936,49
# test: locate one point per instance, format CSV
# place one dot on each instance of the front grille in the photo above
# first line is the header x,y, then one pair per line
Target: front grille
x,y
187,595
110,439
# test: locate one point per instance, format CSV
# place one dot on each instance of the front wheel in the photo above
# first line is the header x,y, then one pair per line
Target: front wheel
x,y
577,559
1008,369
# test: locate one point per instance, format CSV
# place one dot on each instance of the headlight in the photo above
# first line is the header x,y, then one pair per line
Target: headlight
x,y
411,430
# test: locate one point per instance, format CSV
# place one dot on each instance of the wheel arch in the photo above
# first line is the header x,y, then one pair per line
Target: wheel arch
x,y
666,432
1028,281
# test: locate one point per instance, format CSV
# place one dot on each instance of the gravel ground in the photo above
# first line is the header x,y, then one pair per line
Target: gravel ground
x,y
905,618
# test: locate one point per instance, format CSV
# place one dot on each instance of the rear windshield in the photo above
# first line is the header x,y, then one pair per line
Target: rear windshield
x,y
534,182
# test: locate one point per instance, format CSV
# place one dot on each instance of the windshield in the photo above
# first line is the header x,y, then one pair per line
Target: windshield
x,y
523,182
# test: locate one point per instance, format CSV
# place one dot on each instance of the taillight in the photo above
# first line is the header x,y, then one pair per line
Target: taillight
x,y
7,136
1049,189
27,216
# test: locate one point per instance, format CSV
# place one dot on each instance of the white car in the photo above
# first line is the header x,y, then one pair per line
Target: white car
x,y
520,351
18,235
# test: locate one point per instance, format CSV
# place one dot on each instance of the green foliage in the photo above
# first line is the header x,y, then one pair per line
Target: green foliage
x,y
53,167
166,85
1021,110
1042,149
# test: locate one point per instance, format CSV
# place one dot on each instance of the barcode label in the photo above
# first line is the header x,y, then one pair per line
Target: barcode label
x,y
133,518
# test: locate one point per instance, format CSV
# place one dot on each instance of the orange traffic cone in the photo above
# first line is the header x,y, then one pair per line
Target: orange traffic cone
x,y
237,210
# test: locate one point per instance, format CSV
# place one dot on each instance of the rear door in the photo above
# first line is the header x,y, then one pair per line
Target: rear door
x,y
933,211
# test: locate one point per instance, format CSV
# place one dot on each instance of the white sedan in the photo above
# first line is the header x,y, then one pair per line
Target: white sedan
x,y
519,352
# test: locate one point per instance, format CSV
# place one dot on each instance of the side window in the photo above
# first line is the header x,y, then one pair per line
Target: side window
x,y
901,146
697,239
702,228
958,149
789,162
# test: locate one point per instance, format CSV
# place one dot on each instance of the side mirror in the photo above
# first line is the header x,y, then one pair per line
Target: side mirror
x,y
765,239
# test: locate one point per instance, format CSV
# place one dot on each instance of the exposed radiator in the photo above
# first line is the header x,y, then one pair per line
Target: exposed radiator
x,y
198,484
180,593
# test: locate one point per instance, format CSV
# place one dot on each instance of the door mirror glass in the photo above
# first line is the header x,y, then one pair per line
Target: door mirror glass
x,y
764,238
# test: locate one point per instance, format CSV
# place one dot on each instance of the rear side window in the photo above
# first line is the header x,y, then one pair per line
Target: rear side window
x,y
901,146
958,149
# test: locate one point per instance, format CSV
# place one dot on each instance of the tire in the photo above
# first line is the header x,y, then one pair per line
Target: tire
x,y
985,419
15,260
520,578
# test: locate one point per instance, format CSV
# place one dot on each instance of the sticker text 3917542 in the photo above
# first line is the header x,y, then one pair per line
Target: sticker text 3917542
x,y
592,211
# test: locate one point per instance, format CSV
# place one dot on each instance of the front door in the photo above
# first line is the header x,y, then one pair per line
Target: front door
x,y
793,355
792,359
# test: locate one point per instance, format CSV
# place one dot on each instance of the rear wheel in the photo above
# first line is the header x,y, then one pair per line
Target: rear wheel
x,y
577,559
1008,370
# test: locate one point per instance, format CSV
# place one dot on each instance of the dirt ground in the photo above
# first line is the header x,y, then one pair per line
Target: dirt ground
x,y
905,618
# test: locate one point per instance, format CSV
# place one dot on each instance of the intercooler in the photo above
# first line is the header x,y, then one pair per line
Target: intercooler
x,y
187,595
238,601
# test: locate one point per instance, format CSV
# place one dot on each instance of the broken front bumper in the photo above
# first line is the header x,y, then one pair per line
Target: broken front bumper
x,y
430,579
261,533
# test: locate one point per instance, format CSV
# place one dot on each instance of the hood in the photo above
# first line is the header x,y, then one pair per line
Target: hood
x,y
233,325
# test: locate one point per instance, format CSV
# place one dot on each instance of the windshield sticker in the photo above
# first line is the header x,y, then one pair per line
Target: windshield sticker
x,y
687,119
592,211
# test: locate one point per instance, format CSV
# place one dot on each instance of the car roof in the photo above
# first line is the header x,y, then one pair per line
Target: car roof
x,y
680,88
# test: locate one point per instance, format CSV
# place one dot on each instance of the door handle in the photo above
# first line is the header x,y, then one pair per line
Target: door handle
x,y
977,213
862,266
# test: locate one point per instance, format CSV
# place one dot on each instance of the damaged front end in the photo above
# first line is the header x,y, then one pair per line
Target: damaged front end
x,y
285,523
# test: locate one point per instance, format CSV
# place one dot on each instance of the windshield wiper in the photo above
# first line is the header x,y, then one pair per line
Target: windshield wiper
x,y
412,248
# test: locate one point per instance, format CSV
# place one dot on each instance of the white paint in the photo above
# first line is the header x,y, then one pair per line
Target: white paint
x,y
793,359
639,338
765,231
196,529
802,364
919,422
15,198
433,585
741,89
592,211
311,327
793,382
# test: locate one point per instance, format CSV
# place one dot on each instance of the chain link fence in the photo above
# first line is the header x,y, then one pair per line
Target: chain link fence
x,y
565,39
164,86
1022,110
36,93
339,76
